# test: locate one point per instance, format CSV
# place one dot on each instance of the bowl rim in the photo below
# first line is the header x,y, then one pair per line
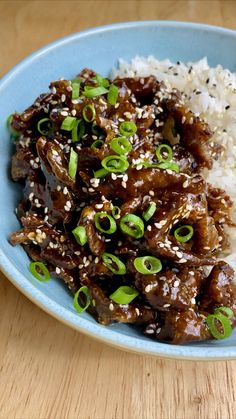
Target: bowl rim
x,y
95,330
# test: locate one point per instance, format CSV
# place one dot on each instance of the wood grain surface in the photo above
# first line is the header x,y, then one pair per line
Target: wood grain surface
x,y
48,370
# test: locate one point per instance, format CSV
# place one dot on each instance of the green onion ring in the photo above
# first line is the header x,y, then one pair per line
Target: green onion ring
x,y
121,145
127,128
100,173
154,265
109,260
132,225
150,211
77,305
80,235
167,150
225,311
45,276
112,95
78,130
116,212
183,238
124,295
89,112
214,329
90,91
73,164
48,123
99,216
115,164
97,144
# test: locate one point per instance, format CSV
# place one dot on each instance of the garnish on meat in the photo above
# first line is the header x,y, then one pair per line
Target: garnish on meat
x,y
115,205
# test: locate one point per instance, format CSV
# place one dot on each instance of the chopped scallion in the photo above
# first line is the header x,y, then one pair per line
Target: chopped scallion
x,y
40,271
73,163
132,225
113,263
124,295
90,91
115,164
103,217
121,145
89,113
68,123
184,233
113,94
147,265
80,235
79,305
127,128
150,211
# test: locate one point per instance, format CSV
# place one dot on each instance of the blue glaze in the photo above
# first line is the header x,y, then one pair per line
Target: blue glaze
x,y
99,49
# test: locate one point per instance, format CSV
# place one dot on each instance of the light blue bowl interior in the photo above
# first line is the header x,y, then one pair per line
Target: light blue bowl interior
x,y
98,49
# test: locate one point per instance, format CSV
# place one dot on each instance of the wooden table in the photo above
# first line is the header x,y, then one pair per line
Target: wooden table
x,y
48,370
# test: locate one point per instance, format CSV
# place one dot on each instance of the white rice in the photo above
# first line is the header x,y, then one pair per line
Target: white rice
x,y
216,104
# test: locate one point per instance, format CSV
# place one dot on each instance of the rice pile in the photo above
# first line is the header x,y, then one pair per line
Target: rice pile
x,y
211,94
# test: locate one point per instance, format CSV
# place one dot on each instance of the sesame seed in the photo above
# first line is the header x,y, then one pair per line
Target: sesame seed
x,y
176,284
58,271
149,227
63,97
73,112
111,307
182,260
158,330
148,288
166,305
123,184
68,204
81,266
64,113
113,176
193,301
149,331
58,188
179,255
96,260
137,311
151,193
65,191
125,178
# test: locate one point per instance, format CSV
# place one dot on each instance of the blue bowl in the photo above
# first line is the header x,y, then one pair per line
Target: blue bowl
x,y
99,49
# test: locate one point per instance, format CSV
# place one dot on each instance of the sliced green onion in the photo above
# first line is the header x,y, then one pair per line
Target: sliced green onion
x,y
103,216
78,130
127,128
150,211
221,330
80,235
101,81
73,163
132,225
96,130
147,265
77,303
164,153
89,113
124,295
9,119
115,164
110,260
90,91
116,212
68,123
100,173
97,144
184,233
225,311
13,132
121,145
75,90
113,94
168,165
45,126
40,271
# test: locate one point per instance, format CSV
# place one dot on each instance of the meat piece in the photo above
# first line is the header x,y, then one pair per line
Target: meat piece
x,y
107,311
180,327
220,289
170,289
